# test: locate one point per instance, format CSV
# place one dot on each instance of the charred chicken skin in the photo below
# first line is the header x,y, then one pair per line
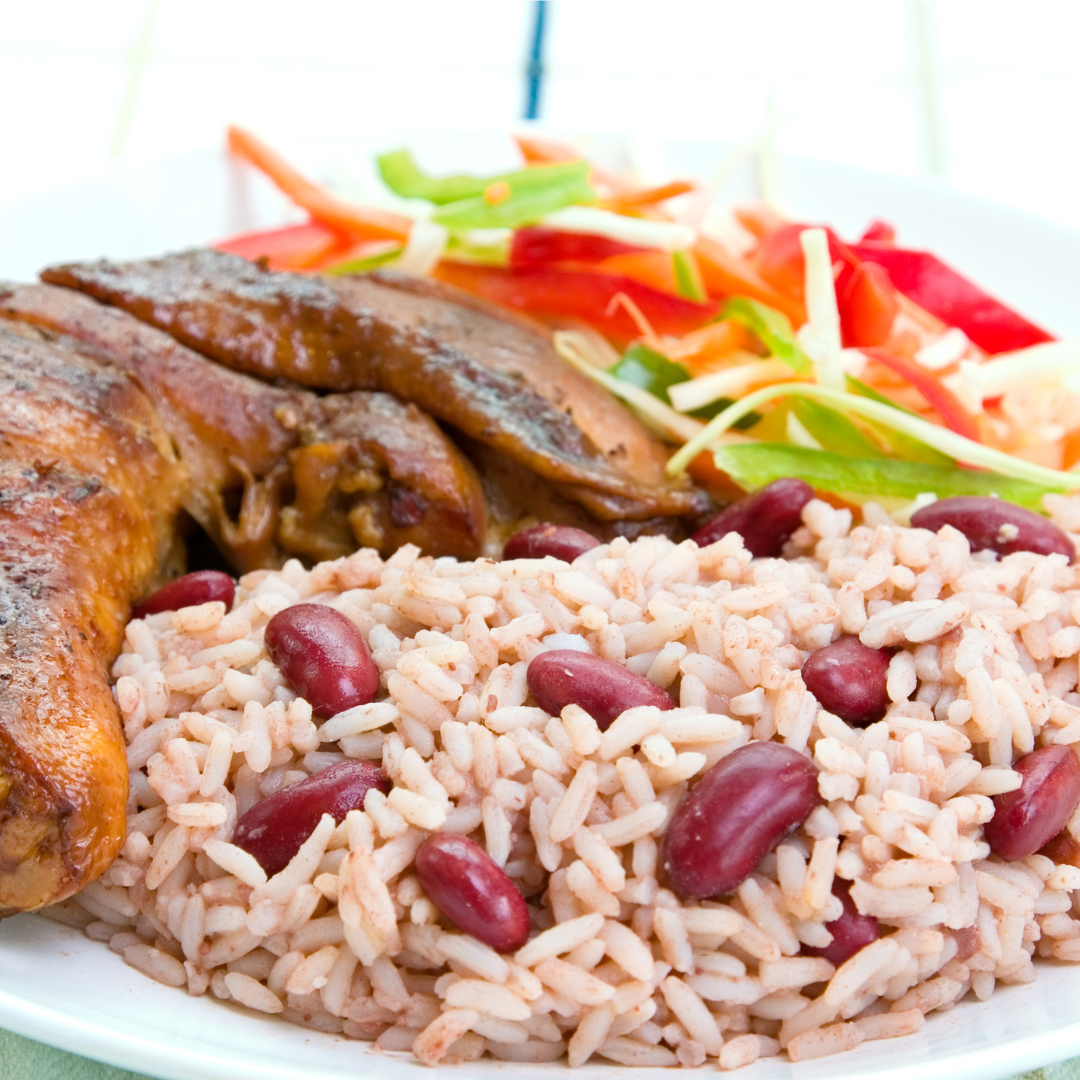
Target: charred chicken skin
x,y
88,489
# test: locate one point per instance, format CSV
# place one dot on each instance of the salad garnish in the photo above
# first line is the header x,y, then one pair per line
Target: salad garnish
x,y
872,371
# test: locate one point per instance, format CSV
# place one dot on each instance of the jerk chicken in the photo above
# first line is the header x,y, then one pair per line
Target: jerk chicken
x,y
488,374
114,421
89,485
309,476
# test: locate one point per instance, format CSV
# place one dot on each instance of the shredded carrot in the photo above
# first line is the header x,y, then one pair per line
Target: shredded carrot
x,y
726,274
538,151
1049,455
904,343
938,395
704,350
345,218
703,469
653,268
838,502
1070,449
647,196
621,300
317,260
758,218
497,193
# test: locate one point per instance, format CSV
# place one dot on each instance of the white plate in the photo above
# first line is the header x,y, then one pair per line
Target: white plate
x,y
58,987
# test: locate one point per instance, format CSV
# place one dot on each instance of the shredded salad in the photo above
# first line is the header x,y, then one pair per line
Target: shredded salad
x,y
771,349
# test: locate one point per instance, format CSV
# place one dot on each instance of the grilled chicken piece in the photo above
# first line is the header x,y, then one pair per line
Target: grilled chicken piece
x,y
312,476
88,488
489,374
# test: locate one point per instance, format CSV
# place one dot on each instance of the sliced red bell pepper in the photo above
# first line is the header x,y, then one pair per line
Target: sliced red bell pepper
x,y
919,275
585,294
537,245
867,306
943,292
778,258
864,297
880,232
937,394
291,247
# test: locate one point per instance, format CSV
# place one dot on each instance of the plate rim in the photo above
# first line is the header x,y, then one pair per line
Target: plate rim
x,y
144,1053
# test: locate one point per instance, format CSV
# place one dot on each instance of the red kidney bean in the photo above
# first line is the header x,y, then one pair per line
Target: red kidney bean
x,y
995,524
196,588
850,933
562,541
601,687
324,657
274,829
848,679
967,943
730,820
467,886
1037,811
1062,849
765,519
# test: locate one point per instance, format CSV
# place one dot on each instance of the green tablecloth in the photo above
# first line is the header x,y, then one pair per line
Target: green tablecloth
x,y
21,1059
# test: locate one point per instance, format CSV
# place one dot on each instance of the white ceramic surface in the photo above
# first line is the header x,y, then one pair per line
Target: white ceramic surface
x,y
61,988
58,987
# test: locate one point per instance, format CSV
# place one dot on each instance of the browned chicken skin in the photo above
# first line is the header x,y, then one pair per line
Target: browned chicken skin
x,y
489,375
88,489
513,346
319,476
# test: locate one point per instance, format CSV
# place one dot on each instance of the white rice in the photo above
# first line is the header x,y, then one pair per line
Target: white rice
x,y
344,940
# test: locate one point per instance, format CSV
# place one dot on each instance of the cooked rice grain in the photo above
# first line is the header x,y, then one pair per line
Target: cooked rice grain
x,y
343,939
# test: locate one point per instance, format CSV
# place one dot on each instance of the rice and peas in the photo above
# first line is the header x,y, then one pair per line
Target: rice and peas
x,y
344,940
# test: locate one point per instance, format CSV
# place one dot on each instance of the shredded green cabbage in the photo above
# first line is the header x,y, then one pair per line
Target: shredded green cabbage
x,y
941,439
753,465
772,327
369,262
687,278
472,202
